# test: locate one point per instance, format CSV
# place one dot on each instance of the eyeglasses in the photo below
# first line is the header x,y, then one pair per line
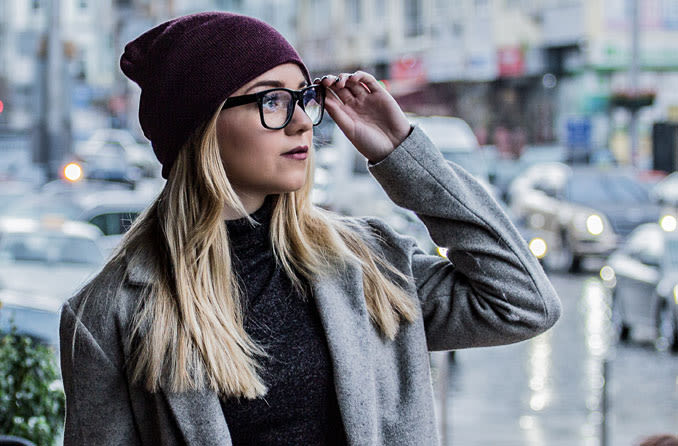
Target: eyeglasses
x,y
276,106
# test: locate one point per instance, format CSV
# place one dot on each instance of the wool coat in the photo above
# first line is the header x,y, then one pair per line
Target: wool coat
x,y
489,291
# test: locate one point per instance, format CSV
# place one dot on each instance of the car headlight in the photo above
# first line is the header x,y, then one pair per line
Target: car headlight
x,y
607,273
608,276
590,223
538,247
668,223
594,224
675,294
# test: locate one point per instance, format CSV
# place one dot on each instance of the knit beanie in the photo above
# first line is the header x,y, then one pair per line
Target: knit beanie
x,y
188,65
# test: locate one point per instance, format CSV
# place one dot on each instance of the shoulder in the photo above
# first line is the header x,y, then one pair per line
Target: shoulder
x,y
105,305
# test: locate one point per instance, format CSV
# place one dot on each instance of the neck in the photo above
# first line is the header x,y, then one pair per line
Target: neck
x,y
251,203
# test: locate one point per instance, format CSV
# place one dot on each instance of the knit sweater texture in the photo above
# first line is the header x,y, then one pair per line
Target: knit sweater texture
x,y
300,406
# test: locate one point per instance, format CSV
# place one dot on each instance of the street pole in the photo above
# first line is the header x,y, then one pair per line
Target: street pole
x,y
52,133
633,78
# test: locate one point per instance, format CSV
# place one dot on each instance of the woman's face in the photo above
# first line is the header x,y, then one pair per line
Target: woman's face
x,y
252,154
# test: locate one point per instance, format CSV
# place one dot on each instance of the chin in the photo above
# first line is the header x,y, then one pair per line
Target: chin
x,y
291,186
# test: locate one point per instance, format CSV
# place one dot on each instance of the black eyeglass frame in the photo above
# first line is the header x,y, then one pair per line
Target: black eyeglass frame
x,y
297,98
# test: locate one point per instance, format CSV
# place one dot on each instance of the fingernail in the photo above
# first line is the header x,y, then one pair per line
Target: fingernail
x,y
336,80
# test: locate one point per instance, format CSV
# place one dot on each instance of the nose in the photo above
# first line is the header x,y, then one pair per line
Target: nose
x,y
300,121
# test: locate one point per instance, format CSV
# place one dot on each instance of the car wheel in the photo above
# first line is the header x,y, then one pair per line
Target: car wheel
x,y
571,262
575,264
666,337
621,330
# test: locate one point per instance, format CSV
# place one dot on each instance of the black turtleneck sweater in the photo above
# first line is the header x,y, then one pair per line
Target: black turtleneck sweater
x,y
301,404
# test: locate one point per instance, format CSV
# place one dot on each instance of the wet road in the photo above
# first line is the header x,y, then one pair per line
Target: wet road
x,y
548,391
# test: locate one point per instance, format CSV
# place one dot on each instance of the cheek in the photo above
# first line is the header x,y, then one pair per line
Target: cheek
x,y
239,140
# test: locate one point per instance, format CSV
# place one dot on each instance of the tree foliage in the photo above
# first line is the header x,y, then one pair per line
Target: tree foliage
x,y
32,400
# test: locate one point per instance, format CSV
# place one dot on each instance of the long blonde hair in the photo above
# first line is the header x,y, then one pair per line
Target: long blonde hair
x,y
187,332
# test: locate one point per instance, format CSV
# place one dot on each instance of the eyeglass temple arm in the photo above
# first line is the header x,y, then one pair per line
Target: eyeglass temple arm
x,y
240,100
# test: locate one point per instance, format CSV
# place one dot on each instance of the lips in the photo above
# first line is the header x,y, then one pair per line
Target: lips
x,y
300,149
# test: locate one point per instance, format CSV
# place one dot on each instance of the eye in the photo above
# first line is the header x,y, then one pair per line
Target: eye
x,y
310,94
272,101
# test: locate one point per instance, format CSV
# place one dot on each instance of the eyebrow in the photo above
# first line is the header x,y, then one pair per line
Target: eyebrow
x,y
272,83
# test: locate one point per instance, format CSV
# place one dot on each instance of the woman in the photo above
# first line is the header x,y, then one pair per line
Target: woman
x,y
235,311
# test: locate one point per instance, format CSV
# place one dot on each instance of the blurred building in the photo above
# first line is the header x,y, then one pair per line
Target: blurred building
x,y
516,70
86,29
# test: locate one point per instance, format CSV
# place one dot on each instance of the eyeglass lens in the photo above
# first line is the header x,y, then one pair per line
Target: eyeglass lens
x,y
277,106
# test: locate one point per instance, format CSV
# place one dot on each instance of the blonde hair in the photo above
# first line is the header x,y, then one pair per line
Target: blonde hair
x,y
187,332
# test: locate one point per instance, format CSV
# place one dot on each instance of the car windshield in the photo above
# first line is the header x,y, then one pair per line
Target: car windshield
x,y
48,248
592,190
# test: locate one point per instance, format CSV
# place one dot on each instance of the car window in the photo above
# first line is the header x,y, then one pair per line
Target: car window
x,y
114,223
49,248
592,190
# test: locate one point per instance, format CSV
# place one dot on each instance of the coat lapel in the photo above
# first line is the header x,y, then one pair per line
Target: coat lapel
x,y
199,417
198,414
341,304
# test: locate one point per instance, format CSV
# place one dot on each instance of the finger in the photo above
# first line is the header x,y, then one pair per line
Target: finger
x,y
357,88
339,116
340,81
366,78
332,96
326,80
338,87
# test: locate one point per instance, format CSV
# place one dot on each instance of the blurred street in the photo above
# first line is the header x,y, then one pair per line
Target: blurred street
x,y
566,111
546,391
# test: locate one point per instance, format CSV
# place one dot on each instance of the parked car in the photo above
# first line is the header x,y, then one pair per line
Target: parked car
x,y
33,315
121,144
112,211
47,257
503,171
12,192
586,211
665,192
643,274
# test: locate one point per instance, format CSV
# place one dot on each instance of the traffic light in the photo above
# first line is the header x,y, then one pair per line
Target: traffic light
x,y
2,106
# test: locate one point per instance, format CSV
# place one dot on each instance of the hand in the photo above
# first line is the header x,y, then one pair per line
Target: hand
x,y
367,114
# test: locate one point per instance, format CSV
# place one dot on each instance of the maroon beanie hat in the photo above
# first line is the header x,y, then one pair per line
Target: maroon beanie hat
x,y
187,66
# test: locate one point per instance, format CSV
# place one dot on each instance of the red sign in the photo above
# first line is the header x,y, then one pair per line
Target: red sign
x,y
408,68
511,62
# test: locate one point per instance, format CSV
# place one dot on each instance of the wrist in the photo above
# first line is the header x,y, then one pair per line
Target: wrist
x,y
401,135
396,141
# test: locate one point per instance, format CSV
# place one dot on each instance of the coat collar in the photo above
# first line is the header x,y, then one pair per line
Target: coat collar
x,y
341,304
139,268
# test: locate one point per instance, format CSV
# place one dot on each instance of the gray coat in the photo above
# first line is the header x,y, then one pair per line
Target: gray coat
x,y
492,292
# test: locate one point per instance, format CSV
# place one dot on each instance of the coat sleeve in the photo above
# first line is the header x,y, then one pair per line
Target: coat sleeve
x,y
98,409
492,290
